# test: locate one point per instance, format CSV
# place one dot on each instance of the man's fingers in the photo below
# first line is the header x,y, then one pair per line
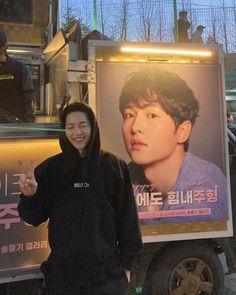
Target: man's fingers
x,y
21,166
23,181
28,171
27,182
32,166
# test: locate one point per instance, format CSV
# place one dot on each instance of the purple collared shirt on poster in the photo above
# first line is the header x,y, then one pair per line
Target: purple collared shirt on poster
x,y
200,194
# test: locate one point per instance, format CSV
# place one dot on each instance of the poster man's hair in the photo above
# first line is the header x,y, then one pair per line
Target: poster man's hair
x,y
166,88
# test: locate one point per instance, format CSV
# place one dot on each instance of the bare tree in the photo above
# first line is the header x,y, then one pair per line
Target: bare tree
x,y
213,20
117,23
113,32
160,24
147,15
107,15
234,23
152,20
224,25
69,16
102,17
124,20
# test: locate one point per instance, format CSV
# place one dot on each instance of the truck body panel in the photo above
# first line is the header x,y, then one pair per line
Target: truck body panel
x,y
22,247
208,139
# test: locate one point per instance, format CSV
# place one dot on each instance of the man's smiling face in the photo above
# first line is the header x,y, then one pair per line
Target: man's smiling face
x,y
78,130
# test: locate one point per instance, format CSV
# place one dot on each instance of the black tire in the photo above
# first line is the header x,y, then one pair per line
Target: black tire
x,y
185,269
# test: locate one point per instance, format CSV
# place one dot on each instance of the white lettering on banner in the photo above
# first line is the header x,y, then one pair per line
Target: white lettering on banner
x,y
180,197
9,209
7,183
27,246
149,199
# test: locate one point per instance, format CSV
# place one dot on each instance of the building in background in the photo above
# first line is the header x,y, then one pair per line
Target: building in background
x,y
26,22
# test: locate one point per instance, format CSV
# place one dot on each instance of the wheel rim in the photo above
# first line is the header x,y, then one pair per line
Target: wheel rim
x,y
191,277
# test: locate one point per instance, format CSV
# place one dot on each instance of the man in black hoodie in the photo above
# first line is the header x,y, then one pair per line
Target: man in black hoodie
x,y
88,198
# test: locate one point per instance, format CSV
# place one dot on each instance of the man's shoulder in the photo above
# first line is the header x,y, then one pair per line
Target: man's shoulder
x,y
137,173
112,161
14,60
192,159
50,168
197,173
196,165
14,63
108,156
51,162
196,35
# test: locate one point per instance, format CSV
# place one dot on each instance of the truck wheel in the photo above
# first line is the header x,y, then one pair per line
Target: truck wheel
x,y
186,269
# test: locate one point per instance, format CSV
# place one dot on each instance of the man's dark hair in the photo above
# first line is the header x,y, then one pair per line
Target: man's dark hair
x,y
77,107
166,88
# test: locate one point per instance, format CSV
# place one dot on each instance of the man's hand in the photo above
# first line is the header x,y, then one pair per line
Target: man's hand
x,y
27,181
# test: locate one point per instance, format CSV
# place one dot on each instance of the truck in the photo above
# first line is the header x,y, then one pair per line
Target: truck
x,y
180,257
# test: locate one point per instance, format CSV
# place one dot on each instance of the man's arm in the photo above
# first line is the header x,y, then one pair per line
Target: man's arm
x,y
28,96
33,206
129,235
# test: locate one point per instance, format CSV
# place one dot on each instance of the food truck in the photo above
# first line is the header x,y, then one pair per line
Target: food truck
x,y
184,230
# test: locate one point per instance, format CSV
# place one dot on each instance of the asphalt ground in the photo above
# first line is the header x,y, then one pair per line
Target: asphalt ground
x,y
230,280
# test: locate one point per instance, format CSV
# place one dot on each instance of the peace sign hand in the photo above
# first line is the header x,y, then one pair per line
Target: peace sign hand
x,y
27,181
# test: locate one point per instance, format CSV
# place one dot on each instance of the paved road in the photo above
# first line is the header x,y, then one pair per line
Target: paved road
x,y
230,285
230,280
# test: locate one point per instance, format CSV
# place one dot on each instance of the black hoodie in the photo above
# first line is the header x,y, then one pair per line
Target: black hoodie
x,y
93,226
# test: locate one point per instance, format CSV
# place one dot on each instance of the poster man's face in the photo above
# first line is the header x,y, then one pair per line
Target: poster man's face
x,y
149,133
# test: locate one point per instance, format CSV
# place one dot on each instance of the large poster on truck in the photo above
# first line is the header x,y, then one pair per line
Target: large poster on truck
x,y
168,122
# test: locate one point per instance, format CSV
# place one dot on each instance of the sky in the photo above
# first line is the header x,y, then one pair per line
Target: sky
x,y
208,2
202,3
84,8
88,4
196,3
